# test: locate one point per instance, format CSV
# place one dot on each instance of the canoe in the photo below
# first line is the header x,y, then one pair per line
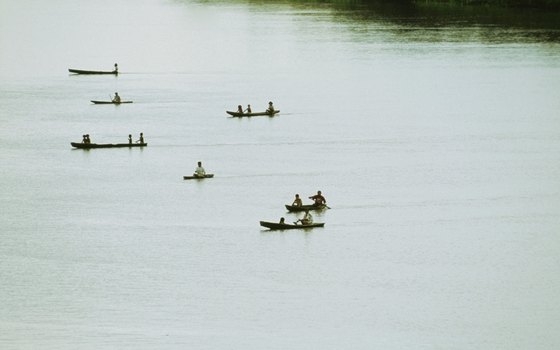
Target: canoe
x,y
192,177
305,207
237,114
284,226
106,145
81,71
109,102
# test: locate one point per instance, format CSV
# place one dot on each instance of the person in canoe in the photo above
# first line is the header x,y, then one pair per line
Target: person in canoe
x,y
199,171
129,139
282,220
116,70
240,109
117,98
270,108
318,199
297,201
141,139
306,220
86,139
248,110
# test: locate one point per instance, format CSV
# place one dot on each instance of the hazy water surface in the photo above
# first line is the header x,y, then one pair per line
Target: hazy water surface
x,y
437,147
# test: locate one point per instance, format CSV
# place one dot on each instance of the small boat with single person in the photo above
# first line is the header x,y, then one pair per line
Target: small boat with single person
x,y
198,177
82,145
109,102
296,208
239,114
285,226
92,72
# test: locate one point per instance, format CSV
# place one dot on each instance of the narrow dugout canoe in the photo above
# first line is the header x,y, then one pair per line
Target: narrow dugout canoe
x,y
108,102
284,226
195,177
237,114
81,71
305,207
106,145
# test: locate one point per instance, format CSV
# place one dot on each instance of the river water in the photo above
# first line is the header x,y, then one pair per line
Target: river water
x,y
434,135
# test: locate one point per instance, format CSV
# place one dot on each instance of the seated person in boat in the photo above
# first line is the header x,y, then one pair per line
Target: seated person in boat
x,y
239,109
248,110
306,220
199,171
117,98
297,201
270,108
318,199
129,139
86,139
141,139
116,68
282,221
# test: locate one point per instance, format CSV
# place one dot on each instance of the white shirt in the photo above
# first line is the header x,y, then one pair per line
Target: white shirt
x,y
200,171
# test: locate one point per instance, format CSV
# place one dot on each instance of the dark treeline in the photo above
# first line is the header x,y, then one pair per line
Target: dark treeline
x,y
535,4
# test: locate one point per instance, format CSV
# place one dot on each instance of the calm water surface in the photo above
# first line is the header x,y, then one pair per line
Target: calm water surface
x,y
436,143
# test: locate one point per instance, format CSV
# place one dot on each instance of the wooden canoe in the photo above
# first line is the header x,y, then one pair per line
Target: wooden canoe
x,y
237,114
81,71
305,207
108,102
285,226
106,145
193,177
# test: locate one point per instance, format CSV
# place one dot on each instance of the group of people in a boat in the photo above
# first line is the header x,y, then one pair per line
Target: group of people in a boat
x,y
318,201
307,219
140,140
86,139
243,111
240,109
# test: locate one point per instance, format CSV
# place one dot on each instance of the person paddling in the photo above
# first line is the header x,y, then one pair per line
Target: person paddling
x,y
117,98
318,199
306,220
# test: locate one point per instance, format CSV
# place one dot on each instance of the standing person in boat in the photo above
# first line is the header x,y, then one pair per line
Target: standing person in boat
x,y
141,139
117,98
199,171
306,220
116,68
297,201
239,109
248,110
270,108
129,139
318,199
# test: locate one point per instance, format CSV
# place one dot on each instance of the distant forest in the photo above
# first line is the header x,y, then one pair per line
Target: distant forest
x,y
535,4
